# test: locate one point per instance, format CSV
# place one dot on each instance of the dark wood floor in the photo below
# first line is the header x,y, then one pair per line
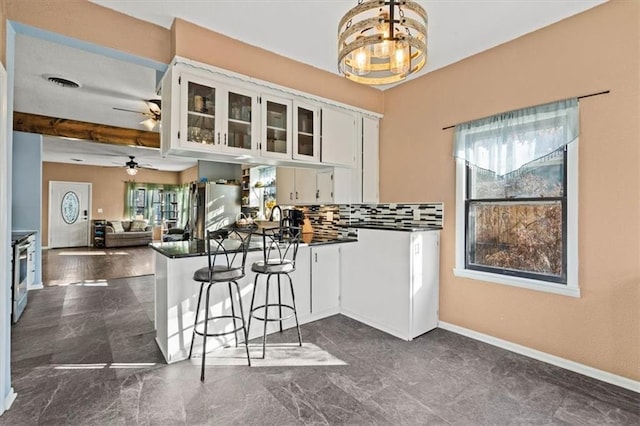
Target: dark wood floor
x,y
85,264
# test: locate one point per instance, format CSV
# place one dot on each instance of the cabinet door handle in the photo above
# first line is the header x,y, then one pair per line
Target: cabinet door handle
x,y
291,196
316,255
317,194
296,195
218,138
225,138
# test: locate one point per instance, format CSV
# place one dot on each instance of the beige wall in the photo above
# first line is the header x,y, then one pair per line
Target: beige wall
x,y
593,51
189,175
108,187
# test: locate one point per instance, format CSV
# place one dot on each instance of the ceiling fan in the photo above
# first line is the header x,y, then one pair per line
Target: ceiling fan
x,y
153,115
132,166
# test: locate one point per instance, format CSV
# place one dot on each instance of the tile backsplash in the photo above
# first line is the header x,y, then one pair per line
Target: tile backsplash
x,y
329,220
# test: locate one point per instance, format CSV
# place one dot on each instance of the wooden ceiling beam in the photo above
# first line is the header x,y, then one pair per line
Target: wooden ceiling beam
x,y
62,127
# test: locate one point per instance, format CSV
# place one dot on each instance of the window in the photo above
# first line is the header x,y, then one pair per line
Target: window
x,y
517,198
166,205
140,201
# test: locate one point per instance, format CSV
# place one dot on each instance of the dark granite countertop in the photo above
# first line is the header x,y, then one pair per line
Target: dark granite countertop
x,y
192,248
17,236
391,226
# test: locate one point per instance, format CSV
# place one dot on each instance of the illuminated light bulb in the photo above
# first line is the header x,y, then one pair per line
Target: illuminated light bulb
x,y
383,48
399,63
361,60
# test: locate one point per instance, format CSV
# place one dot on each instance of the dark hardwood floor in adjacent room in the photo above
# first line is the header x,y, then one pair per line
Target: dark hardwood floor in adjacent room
x,y
85,264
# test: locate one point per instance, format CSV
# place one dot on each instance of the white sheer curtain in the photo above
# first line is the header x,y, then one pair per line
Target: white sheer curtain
x,y
505,142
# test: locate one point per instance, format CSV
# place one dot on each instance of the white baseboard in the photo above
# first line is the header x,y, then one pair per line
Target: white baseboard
x,y
36,286
8,399
545,357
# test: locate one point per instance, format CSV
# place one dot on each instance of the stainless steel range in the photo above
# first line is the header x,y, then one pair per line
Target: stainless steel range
x,y
23,271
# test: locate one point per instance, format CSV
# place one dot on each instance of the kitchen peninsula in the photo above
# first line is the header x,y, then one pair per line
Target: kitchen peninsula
x,y
387,277
176,294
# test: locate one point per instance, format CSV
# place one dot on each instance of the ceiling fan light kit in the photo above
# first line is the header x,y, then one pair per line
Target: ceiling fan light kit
x,y
132,171
382,41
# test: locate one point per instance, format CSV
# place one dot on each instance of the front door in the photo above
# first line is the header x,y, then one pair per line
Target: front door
x,y
69,204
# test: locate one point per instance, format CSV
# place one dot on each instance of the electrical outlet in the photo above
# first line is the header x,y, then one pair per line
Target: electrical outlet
x,y
329,216
99,210
416,213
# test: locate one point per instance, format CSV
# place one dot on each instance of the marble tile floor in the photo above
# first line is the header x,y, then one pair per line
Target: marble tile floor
x,y
85,355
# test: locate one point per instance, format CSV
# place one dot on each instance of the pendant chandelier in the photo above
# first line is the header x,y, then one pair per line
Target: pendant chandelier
x,y
382,41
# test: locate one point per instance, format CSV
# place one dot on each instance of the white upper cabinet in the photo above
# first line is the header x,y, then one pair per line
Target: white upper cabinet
x,y
339,137
276,127
295,185
324,182
306,132
370,160
239,125
213,114
207,116
285,185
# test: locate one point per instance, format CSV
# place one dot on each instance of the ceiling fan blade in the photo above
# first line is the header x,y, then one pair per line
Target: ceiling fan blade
x,y
130,110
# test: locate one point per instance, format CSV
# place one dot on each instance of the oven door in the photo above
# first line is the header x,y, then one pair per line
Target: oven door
x,y
21,271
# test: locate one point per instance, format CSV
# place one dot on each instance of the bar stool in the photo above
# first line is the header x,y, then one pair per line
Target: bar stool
x,y
227,254
280,247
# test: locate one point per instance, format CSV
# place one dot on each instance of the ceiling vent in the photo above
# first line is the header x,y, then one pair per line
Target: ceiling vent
x,y
64,82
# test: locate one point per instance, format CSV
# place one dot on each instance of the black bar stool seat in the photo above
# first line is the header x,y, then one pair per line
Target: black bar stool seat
x,y
219,274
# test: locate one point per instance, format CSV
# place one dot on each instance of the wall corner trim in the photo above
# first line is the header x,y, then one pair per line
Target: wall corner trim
x,y
545,357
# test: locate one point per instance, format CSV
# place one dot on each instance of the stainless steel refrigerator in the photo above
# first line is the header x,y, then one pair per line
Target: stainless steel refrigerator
x,y
212,206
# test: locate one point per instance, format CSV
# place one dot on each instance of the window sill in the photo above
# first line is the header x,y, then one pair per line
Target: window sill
x,y
527,283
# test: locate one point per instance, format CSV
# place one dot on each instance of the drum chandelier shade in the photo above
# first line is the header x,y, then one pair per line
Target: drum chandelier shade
x,y
382,41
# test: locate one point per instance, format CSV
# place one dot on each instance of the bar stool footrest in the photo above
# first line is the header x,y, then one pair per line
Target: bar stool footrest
x,y
222,333
273,305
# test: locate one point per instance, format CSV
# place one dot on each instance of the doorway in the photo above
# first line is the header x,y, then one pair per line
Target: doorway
x,y
69,204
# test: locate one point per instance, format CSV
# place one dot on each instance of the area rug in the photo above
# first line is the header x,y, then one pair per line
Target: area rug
x,y
277,355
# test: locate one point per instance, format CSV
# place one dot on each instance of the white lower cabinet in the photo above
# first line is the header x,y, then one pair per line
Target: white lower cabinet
x,y
325,280
390,279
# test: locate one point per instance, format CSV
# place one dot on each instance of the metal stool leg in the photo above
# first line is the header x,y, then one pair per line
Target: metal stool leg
x,y
279,303
244,329
193,338
295,311
253,296
233,314
266,315
206,322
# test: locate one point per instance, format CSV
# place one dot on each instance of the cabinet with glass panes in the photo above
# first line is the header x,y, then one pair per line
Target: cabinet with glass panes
x,y
276,127
306,132
212,116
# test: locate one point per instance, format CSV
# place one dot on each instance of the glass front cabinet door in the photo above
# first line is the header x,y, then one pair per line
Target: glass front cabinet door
x,y
239,135
306,132
216,117
199,108
276,127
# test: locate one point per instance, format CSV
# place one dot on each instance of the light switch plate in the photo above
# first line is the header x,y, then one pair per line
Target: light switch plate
x,y
416,213
99,210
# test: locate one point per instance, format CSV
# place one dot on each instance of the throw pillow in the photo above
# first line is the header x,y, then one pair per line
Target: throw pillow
x,y
117,226
138,225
